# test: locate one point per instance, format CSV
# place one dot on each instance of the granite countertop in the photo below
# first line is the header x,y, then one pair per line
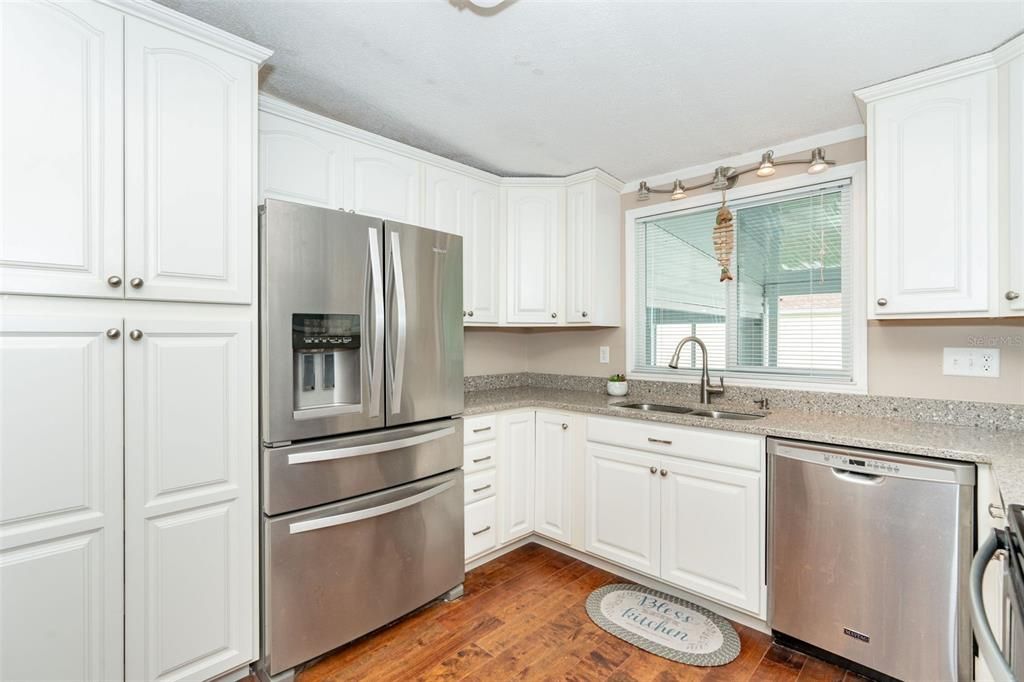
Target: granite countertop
x,y
1003,449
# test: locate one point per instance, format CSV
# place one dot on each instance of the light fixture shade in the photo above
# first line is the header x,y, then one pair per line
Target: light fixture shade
x,y
644,193
722,176
818,162
678,190
767,167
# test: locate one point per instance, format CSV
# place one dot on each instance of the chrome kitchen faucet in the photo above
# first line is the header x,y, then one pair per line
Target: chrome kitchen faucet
x,y
706,389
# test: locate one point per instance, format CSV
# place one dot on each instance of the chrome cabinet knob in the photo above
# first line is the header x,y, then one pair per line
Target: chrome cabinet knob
x,y
996,511
554,315
565,427
470,313
135,334
113,333
136,282
654,470
1012,295
586,314
114,281
464,313
882,302
664,472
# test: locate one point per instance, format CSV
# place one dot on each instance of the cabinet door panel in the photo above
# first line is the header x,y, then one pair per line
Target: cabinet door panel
x,y
535,225
932,153
189,162
61,548
383,184
60,149
623,507
1012,295
482,251
300,163
189,434
516,476
710,532
444,200
579,230
553,490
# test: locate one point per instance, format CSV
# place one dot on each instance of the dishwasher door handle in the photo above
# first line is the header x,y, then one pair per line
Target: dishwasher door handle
x,y
988,647
857,477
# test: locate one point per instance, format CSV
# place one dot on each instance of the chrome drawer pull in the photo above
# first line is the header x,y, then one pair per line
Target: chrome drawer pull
x,y
369,448
996,511
482,459
482,429
659,440
476,490
351,517
482,530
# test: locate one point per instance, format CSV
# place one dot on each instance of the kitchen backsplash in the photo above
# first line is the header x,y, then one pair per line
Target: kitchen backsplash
x,y
952,412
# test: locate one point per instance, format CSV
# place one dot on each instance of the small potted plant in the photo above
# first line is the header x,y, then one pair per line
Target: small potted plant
x,y
617,385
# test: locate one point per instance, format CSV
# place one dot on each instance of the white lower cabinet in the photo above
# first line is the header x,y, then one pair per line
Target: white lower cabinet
x,y
481,527
622,507
710,531
189,453
61,546
516,476
553,479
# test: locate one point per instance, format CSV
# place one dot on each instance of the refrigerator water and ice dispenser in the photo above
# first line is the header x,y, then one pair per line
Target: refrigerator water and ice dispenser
x,y
325,350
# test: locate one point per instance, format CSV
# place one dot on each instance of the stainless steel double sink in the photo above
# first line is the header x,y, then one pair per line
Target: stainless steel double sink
x,y
689,411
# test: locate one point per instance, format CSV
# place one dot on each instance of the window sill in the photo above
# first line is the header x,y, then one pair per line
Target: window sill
x,y
854,387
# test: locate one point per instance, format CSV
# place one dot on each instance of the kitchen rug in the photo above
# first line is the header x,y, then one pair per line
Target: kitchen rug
x,y
664,625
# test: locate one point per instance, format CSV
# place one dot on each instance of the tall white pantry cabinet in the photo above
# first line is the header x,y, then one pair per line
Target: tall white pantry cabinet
x,y
128,340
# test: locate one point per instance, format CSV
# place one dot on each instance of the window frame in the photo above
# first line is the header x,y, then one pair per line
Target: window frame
x,y
855,173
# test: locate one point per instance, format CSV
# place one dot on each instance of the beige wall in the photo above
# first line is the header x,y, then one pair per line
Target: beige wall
x,y
904,357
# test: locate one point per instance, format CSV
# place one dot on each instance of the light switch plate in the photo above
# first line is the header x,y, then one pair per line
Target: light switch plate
x,y
971,362
605,351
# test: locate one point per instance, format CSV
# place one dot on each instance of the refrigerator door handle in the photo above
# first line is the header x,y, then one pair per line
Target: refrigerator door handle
x,y
400,316
369,448
377,291
350,517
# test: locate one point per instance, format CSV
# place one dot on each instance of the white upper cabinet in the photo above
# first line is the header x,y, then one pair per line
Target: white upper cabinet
x,y
299,163
481,254
515,476
445,199
189,498
593,239
710,531
933,211
1011,292
61,149
61,543
383,184
189,209
622,513
553,488
535,225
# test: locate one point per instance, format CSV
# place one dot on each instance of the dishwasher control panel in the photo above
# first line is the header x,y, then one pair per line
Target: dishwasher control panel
x,y
869,465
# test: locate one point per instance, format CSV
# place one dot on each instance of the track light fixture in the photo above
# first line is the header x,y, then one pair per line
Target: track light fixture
x,y
725,177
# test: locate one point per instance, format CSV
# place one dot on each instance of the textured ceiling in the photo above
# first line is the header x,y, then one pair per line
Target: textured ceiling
x,y
636,88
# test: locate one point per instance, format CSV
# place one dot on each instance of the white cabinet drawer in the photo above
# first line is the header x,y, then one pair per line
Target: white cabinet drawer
x,y
480,456
481,527
479,486
719,447
480,429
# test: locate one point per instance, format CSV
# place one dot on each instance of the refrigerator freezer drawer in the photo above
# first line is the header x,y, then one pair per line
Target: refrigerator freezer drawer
x,y
318,472
337,572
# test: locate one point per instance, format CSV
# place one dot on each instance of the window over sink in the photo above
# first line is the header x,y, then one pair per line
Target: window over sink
x,y
793,314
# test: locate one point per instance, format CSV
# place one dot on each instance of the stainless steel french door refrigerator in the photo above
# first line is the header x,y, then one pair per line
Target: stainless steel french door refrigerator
x,y
361,356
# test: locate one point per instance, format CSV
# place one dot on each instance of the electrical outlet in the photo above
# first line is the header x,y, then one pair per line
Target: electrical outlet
x,y
971,362
605,352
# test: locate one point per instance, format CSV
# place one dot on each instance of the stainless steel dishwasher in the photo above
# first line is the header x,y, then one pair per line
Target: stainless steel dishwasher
x,y
869,558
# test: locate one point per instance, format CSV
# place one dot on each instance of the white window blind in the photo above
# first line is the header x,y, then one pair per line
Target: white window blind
x,y
787,313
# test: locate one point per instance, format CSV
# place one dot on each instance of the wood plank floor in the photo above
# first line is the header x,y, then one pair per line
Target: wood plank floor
x,y
523,617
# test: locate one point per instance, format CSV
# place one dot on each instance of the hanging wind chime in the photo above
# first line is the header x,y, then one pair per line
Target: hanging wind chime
x,y
724,236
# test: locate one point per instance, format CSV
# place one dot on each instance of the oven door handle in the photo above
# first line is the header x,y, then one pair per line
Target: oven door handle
x,y
988,647
377,292
369,448
362,514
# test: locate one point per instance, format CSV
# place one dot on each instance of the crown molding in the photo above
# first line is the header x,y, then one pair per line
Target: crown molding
x,y
598,175
193,28
1012,48
803,144
922,79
